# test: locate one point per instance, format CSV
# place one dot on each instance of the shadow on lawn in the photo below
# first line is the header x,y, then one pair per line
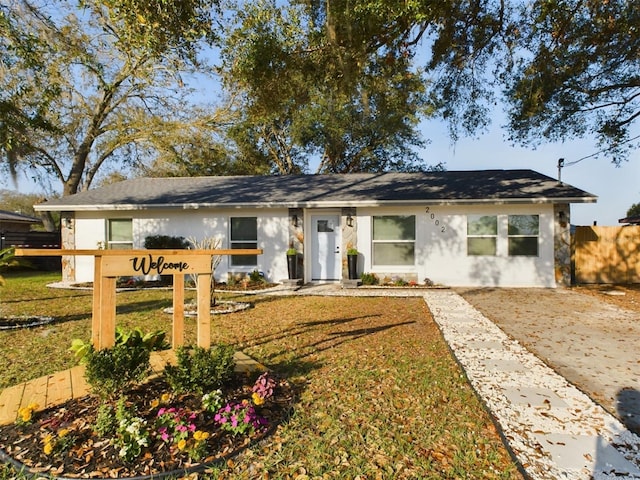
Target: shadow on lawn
x,y
41,299
329,340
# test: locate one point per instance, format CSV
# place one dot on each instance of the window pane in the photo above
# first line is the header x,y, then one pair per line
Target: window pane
x,y
120,230
481,246
244,228
393,253
244,260
523,225
482,225
325,226
394,228
121,246
527,246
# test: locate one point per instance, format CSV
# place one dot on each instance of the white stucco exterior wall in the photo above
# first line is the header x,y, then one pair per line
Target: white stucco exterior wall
x,y
199,224
441,241
441,247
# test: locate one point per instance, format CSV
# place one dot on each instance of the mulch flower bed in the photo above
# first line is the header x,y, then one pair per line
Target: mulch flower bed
x,y
62,441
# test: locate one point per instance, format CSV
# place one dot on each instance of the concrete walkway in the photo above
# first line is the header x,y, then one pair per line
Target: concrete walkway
x,y
554,429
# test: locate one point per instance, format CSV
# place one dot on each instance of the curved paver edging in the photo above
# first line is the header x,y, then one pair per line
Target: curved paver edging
x,y
191,310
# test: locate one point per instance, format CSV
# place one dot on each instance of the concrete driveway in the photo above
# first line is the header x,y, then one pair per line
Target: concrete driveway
x,y
593,344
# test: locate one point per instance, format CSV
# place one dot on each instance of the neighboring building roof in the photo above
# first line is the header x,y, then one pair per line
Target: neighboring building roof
x,y
6,216
337,190
634,220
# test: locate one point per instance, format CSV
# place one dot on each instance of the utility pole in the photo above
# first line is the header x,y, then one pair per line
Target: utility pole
x,y
560,165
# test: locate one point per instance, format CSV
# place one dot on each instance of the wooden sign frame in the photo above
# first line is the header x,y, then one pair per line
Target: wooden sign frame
x,y
109,264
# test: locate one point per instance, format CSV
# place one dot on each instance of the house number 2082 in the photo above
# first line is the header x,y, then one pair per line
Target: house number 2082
x,y
434,218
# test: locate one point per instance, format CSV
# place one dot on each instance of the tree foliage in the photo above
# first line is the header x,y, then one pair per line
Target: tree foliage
x,y
309,90
87,88
634,210
579,74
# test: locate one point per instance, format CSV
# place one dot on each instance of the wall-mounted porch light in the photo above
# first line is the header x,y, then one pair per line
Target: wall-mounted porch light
x,y
562,218
294,220
349,221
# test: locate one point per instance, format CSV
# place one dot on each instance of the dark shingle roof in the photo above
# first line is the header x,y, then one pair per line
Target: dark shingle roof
x,y
633,220
358,189
7,216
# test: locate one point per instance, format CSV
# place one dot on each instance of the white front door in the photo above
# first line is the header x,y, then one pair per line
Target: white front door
x,y
326,258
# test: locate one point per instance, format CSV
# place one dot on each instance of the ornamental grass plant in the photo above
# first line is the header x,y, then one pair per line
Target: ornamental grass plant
x,y
379,395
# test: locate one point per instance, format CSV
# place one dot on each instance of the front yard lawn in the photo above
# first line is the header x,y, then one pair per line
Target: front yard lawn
x,y
379,394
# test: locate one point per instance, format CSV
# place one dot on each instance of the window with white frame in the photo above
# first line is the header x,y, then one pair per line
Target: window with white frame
x,y
119,233
394,240
243,235
523,232
482,235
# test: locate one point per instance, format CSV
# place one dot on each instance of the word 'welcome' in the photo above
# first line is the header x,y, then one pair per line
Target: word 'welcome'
x,y
147,264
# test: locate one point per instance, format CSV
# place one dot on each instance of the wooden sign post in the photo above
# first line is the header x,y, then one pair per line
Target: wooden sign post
x,y
110,264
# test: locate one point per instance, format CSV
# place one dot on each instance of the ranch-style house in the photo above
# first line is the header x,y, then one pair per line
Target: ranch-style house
x,y
453,228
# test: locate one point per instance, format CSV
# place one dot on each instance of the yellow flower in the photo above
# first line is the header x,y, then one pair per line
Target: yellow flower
x,y
165,398
182,444
257,399
154,403
48,448
25,414
48,444
62,432
199,435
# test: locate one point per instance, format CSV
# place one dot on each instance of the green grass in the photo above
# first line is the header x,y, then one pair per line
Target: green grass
x,y
379,395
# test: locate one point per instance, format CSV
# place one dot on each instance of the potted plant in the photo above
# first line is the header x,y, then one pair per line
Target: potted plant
x,y
292,263
352,263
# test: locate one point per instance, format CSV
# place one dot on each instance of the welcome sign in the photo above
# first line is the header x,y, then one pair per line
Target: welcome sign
x,y
110,264
150,264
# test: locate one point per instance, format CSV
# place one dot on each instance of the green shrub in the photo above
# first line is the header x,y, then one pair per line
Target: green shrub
x,y
152,341
369,279
165,241
256,277
106,421
111,371
200,370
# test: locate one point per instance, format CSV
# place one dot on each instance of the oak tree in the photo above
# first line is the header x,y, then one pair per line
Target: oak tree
x,y
91,87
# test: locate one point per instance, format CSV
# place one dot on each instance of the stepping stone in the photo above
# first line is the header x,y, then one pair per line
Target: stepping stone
x,y
534,397
485,344
575,452
504,365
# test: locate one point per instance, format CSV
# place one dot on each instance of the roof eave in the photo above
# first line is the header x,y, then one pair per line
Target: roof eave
x,y
326,204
